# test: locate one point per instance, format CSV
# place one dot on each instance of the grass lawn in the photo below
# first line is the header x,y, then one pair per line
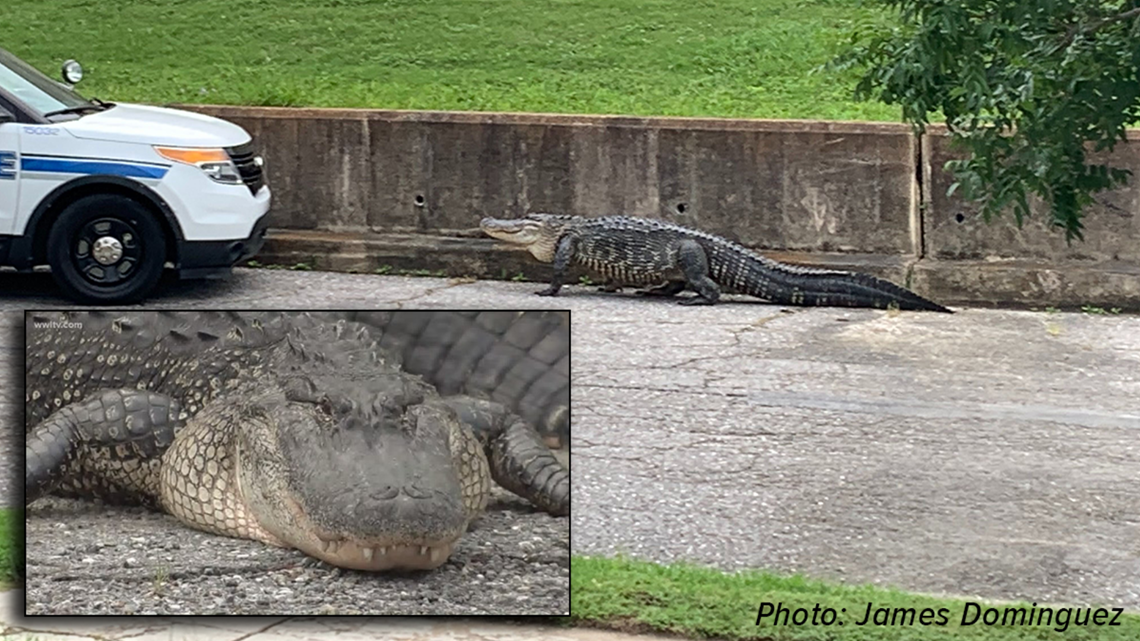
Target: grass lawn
x,y
10,551
740,58
698,602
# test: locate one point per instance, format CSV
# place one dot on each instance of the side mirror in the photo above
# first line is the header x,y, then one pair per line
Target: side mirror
x,y
6,116
72,72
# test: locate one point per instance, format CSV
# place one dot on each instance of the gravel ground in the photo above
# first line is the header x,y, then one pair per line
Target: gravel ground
x,y
84,558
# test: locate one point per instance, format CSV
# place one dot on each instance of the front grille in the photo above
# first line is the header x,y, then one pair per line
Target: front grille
x,y
251,172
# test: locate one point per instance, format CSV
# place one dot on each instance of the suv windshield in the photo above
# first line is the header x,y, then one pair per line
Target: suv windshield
x,y
34,89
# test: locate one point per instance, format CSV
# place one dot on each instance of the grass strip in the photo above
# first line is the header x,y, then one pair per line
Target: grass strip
x,y
11,548
697,602
736,58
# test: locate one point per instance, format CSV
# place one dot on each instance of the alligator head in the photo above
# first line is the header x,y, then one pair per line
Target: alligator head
x,y
360,473
537,233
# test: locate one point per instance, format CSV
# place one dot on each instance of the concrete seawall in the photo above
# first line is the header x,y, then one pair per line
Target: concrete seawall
x,y
367,190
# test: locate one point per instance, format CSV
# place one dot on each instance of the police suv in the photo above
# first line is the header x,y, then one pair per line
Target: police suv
x,y
109,195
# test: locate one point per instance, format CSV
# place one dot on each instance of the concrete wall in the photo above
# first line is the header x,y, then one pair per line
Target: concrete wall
x,y
855,195
812,186
953,229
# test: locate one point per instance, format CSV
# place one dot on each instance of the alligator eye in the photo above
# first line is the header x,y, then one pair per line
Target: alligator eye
x,y
300,388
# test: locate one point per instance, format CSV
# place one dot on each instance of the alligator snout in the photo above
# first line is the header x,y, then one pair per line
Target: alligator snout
x,y
406,527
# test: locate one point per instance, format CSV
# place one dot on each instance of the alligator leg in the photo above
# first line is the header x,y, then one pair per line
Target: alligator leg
x,y
113,442
567,245
694,265
519,460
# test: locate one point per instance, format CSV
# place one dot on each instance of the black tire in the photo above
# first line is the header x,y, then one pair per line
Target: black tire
x,y
103,220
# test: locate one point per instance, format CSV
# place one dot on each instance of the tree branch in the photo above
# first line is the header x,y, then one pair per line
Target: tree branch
x,y
1095,26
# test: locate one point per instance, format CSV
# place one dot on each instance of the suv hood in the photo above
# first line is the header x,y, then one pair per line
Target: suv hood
x,y
156,126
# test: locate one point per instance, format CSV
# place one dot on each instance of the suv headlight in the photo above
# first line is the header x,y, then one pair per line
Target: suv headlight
x,y
215,163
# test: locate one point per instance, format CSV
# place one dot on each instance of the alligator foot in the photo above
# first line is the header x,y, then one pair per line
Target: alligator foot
x,y
696,300
520,460
522,463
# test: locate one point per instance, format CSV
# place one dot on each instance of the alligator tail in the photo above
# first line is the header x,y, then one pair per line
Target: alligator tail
x,y
795,285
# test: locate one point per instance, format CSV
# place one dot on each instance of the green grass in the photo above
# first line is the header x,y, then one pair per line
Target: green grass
x,y
700,603
10,551
738,58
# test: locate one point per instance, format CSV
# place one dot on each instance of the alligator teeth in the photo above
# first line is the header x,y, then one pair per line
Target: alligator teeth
x,y
423,550
382,550
436,555
367,552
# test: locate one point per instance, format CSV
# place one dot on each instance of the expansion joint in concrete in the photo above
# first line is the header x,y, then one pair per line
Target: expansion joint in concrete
x,y
920,201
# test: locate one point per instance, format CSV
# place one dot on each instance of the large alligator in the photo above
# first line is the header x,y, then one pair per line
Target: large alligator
x,y
283,428
669,258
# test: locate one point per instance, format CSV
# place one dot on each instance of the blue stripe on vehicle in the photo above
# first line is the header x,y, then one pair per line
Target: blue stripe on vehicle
x,y
66,157
58,165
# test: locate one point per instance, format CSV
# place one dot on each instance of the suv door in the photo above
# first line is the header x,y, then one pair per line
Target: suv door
x,y
9,169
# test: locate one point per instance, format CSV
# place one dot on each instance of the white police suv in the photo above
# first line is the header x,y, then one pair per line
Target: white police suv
x,y
109,195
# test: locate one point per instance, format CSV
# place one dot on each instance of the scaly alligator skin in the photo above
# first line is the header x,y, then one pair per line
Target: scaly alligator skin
x,y
518,358
282,428
669,258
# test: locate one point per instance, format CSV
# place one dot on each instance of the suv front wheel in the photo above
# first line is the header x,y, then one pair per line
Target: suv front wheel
x,y
106,249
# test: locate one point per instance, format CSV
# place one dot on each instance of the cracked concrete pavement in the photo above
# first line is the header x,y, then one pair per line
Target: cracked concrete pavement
x,y
990,453
987,453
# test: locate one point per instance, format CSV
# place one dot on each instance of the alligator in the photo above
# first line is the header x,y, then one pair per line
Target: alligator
x,y
669,258
283,428
518,358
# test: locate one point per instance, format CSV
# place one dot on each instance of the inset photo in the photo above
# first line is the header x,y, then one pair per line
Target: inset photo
x,y
297,462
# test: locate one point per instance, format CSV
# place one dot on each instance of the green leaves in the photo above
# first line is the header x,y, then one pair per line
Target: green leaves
x,y
1028,88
